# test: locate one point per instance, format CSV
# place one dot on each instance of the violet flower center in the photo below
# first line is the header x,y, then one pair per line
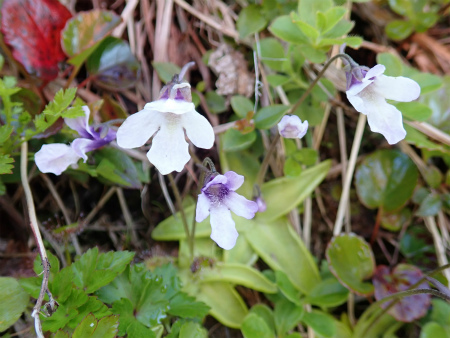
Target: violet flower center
x,y
217,193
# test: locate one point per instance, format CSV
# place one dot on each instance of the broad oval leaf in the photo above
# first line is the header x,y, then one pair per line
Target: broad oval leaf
x,y
13,301
351,261
238,274
401,278
112,65
85,31
322,323
277,244
283,28
251,20
328,293
284,194
385,179
32,28
225,302
255,327
234,140
433,330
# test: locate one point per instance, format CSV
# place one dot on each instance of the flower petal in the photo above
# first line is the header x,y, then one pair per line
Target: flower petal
x,y
218,179
234,181
169,150
81,123
385,119
198,129
223,230
291,126
203,206
83,145
55,158
170,106
397,88
138,128
375,71
240,205
357,103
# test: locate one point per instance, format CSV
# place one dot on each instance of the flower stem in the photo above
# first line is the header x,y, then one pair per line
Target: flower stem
x,y
318,77
265,163
37,235
349,175
176,192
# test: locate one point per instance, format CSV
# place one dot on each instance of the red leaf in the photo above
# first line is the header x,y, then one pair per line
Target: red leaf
x,y
388,282
32,29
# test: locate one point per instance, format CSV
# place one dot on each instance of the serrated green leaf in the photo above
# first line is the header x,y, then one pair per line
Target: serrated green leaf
x,y
90,327
5,132
5,164
93,270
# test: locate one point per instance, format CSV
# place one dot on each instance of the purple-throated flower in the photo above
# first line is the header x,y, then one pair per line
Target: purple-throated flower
x,y
56,157
367,91
167,119
291,126
217,198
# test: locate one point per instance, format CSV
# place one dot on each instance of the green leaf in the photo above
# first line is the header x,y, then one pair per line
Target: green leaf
x,y
117,167
399,30
433,330
94,306
284,194
394,221
266,313
311,32
430,206
13,301
276,243
166,70
269,116
287,315
5,164
193,330
255,327
339,30
292,168
428,82
242,253
385,179
5,132
276,80
321,323
313,54
272,53
283,28
251,20
226,304
241,105
308,9
234,140
216,103
185,306
415,111
85,31
238,274
112,65
93,270
327,20
346,251
328,293
393,64
128,324
287,288
93,328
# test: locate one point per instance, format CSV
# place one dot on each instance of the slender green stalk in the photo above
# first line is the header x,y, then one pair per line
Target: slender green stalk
x,y
176,192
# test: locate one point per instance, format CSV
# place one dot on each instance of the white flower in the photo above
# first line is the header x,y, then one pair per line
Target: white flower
x,y
367,91
291,126
56,157
218,197
166,120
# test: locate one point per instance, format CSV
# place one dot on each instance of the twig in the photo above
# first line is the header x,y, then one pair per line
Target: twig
x,y
100,205
61,205
440,249
127,216
430,131
349,176
37,236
